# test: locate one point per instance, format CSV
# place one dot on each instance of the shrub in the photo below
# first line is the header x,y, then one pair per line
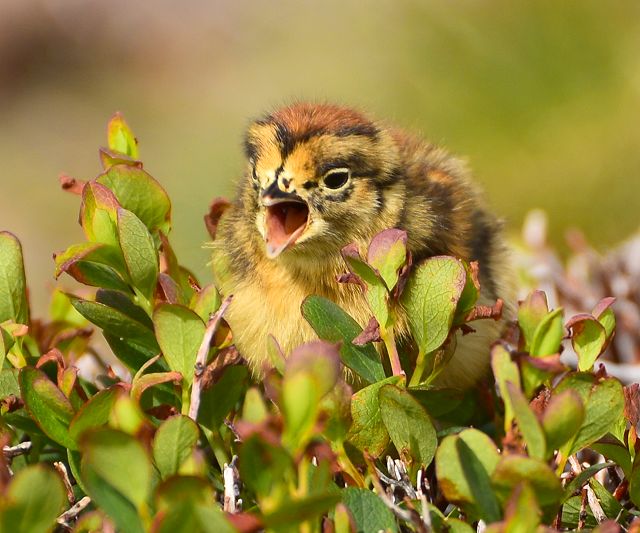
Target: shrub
x,y
171,433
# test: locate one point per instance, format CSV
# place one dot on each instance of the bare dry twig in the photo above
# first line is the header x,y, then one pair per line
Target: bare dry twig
x,y
62,470
231,489
68,516
592,499
19,449
201,358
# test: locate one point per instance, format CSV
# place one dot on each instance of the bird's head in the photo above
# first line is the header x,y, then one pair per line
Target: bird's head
x,y
316,177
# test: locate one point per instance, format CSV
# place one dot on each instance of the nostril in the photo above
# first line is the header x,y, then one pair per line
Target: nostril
x,y
285,183
274,192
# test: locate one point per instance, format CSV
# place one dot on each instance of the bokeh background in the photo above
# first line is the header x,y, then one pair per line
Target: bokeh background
x,y
543,97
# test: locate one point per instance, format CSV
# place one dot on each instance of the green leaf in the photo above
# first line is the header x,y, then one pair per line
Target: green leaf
x,y
292,512
254,410
505,370
603,406
109,158
218,400
512,470
9,382
577,482
263,466
368,511
179,332
173,443
530,314
611,507
206,302
522,513
464,465
119,461
438,401
605,315
98,275
409,426
588,340
334,325
34,499
13,296
616,452
139,252
120,137
116,322
138,192
75,252
180,489
111,501
95,412
311,371
548,335
376,291
98,214
562,419
527,422
470,294
387,254
368,430
430,299
190,516
48,406
134,354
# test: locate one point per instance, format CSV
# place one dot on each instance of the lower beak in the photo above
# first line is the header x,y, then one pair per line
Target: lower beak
x,y
285,221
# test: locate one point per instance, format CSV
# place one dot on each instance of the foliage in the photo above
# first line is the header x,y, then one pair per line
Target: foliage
x,y
171,433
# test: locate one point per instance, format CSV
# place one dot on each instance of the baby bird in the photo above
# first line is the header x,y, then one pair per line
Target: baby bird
x,y
321,176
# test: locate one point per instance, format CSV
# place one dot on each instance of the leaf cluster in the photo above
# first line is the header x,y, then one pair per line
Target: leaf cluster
x,y
169,432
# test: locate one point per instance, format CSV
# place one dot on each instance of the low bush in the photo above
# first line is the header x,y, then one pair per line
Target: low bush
x,y
169,432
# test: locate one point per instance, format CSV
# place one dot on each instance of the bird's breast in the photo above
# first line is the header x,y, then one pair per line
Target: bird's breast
x,y
268,302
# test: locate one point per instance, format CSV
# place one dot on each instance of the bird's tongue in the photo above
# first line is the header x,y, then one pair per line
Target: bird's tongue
x,y
285,222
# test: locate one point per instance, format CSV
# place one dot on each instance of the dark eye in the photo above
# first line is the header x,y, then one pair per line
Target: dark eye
x,y
336,178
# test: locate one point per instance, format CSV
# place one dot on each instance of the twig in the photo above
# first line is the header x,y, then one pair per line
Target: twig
x,y
399,478
401,513
62,470
232,428
582,517
426,514
65,518
19,449
231,489
592,499
201,357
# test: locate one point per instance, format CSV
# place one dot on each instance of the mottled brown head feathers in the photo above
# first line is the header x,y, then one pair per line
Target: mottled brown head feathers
x,y
301,121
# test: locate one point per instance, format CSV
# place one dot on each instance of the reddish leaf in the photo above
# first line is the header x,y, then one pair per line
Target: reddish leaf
x,y
66,259
371,333
485,311
602,306
547,363
149,380
632,403
245,522
216,209
170,292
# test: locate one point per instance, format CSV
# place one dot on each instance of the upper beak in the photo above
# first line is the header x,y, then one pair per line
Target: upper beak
x,y
286,218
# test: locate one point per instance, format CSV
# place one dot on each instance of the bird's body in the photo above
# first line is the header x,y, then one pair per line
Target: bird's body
x,y
320,177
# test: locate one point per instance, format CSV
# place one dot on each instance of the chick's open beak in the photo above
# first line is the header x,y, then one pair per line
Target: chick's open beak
x,y
286,218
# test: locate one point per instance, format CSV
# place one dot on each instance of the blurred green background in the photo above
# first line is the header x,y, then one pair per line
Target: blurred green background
x,y
543,97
